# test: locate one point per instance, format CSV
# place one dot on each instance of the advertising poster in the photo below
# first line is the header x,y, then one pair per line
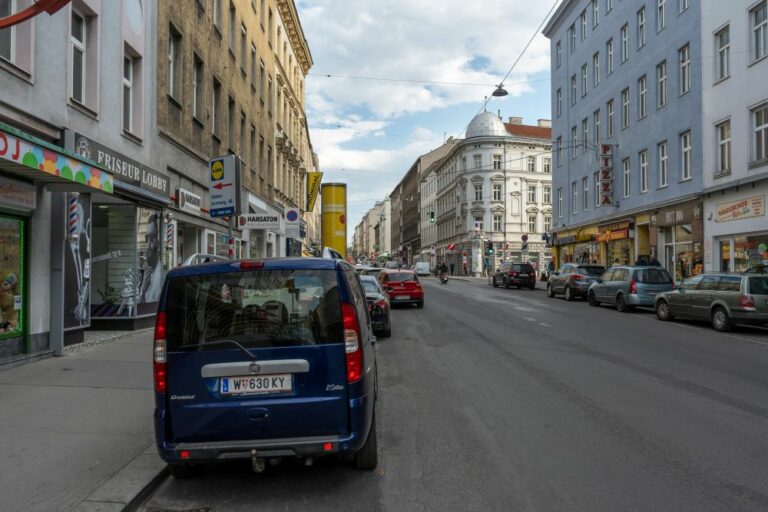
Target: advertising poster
x,y
77,262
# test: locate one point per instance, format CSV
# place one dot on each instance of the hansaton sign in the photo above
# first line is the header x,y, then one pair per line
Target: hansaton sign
x,y
606,175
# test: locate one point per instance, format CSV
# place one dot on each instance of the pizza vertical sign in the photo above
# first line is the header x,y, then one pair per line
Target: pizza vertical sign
x,y
606,175
225,186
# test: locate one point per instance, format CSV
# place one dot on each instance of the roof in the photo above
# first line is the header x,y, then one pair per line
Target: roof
x,y
269,264
485,124
531,132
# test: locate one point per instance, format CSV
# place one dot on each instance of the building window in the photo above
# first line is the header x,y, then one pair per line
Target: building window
x,y
585,193
596,130
270,96
608,6
684,5
572,38
723,133
573,90
624,43
596,177
232,28
7,35
661,15
723,46
174,64
478,192
197,88
574,141
271,28
478,223
661,84
128,63
532,218
497,192
254,68
595,14
547,165
560,203
231,125
558,53
242,147
685,149
626,172
463,163
759,16
216,13
79,59
547,223
496,222
477,161
609,57
760,130
262,81
610,115
559,102
532,194
625,108
531,164
583,24
243,48
596,69
663,176
643,158
216,108
584,135
641,28
685,69
497,162
642,97
575,197
547,199
559,150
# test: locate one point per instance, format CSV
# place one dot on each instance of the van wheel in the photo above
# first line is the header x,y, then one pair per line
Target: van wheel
x,y
550,291
368,456
568,294
184,471
621,305
721,321
592,299
662,311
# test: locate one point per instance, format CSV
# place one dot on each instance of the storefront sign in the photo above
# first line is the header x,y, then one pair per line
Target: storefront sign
x,y
126,169
15,194
48,160
225,186
618,234
677,215
313,187
742,209
259,221
293,223
189,202
606,175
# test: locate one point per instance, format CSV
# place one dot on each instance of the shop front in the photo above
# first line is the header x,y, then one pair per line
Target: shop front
x,y
575,246
677,236
262,227
44,261
736,230
617,243
128,237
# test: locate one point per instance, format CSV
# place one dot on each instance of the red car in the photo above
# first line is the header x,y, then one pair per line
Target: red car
x,y
402,287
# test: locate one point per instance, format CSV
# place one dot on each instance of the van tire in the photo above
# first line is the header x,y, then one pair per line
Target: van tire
x,y
184,471
367,457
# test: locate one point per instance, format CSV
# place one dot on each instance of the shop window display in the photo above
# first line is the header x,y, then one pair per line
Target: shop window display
x,y
12,304
678,251
750,253
619,252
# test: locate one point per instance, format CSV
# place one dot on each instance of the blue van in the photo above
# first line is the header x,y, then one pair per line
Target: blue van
x,y
262,360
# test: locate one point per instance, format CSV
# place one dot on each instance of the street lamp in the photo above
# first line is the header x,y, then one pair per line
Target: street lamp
x,y
500,91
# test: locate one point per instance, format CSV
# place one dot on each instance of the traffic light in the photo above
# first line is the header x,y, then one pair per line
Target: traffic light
x,y
432,217
489,247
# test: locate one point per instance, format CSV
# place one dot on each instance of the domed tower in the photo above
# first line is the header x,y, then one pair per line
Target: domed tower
x,y
486,124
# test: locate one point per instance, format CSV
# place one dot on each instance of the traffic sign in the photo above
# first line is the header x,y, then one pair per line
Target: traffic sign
x,y
225,186
292,223
525,238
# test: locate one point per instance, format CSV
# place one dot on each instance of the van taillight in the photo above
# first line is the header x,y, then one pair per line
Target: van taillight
x,y
352,345
747,302
159,359
633,286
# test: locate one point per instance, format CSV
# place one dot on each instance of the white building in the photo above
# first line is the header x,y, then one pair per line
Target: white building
x,y
735,134
494,186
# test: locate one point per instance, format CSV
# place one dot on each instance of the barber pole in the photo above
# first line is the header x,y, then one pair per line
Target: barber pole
x,y
169,235
72,220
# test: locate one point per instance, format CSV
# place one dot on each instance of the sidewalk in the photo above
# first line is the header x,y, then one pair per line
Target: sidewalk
x,y
69,425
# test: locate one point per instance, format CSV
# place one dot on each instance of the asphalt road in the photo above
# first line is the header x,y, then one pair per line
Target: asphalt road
x,y
504,400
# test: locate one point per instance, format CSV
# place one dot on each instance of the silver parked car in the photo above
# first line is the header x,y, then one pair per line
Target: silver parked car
x,y
627,287
573,280
722,299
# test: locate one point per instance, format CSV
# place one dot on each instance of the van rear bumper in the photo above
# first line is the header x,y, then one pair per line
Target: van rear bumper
x,y
285,447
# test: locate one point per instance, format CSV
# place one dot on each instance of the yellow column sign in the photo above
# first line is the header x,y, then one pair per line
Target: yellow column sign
x,y
334,213
313,187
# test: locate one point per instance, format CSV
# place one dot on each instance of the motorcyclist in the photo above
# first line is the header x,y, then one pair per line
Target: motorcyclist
x,y
442,270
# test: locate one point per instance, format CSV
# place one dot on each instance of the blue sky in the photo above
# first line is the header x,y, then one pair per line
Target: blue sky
x,y
366,132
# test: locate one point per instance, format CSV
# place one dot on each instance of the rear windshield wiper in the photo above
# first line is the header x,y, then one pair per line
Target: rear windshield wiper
x,y
222,341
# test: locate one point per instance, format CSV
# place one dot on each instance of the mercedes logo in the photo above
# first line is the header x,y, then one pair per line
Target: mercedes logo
x,y
254,368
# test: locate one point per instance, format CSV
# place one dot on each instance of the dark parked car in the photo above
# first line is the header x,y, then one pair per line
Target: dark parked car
x,y
627,287
515,274
261,360
378,306
722,299
573,280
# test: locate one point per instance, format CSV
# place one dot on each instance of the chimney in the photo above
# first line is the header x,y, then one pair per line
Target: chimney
x,y
545,123
515,120
498,113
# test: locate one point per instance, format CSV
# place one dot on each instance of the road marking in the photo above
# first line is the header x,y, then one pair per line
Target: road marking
x,y
544,324
530,319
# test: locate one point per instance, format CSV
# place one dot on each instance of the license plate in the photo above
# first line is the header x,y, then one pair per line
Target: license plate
x,y
257,384
402,297
652,294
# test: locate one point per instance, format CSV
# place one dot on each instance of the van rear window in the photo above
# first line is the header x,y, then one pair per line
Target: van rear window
x,y
758,285
653,276
263,308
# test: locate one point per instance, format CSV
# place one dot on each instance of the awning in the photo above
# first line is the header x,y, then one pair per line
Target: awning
x,y
36,160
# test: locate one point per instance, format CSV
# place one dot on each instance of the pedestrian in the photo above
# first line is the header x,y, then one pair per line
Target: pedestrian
x,y
465,268
452,265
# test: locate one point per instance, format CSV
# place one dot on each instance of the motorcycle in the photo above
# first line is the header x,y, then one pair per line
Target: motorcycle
x,y
443,278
